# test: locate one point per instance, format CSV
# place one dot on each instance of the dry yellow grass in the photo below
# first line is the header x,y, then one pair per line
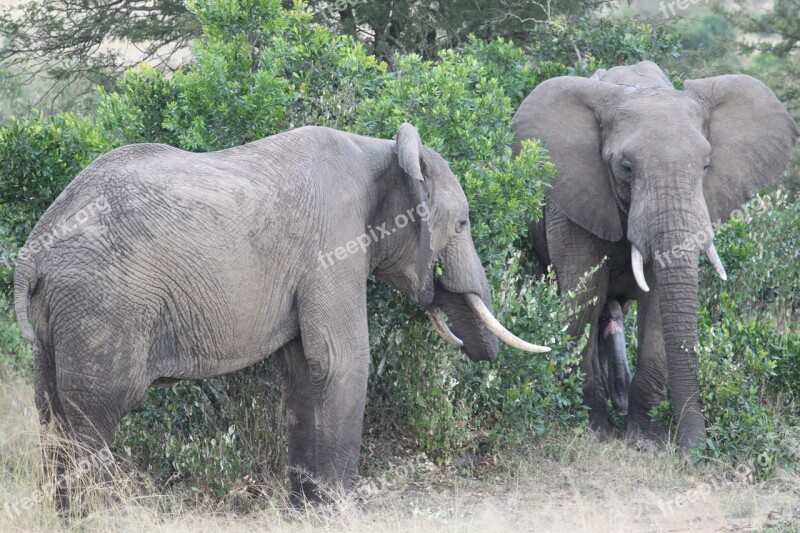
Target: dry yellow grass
x,y
568,483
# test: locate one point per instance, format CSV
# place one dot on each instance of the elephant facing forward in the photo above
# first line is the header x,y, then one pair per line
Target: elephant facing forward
x,y
202,264
643,172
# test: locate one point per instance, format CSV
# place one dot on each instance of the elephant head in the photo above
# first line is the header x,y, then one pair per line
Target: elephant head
x,y
641,161
407,260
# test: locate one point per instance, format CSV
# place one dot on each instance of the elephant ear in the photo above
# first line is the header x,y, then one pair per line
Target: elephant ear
x,y
562,112
411,158
752,137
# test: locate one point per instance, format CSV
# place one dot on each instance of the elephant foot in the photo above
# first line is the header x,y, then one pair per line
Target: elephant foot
x,y
601,427
608,430
647,435
326,508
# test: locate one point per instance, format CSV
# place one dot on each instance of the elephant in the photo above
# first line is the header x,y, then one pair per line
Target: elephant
x,y
644,174
156,265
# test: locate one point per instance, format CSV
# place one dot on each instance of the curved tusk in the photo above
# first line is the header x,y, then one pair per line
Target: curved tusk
x,y
716,262
493,325
437,320
638,268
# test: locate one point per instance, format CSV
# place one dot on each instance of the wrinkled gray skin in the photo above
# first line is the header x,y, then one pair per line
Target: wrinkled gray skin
x,y
640,163
204,264
610,361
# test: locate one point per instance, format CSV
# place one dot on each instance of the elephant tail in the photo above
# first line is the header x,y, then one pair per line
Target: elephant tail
x,y
24,284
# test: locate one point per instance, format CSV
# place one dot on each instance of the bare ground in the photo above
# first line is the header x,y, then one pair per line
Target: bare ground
x,y
566,483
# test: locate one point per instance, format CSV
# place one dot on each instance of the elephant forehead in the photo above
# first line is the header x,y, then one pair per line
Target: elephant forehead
x,y
640,124
673,107
447,194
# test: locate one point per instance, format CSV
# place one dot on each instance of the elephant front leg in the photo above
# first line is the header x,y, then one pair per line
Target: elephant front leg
x,y
325,385
649,385
575,252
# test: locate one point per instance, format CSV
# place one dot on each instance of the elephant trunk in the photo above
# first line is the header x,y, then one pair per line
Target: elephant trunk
x,y
676,280
476,340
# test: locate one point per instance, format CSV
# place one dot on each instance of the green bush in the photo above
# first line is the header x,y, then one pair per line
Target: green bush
x,y
567,48
15,351
215,435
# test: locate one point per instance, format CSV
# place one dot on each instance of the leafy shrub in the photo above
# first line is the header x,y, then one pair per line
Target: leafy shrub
x,y
567,48
15,351
216,435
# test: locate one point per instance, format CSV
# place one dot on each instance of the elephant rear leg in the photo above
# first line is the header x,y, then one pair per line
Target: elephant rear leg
x,y
300,419
92,406
51,416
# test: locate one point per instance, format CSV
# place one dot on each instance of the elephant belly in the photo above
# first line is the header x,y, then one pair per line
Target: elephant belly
x,y
248,335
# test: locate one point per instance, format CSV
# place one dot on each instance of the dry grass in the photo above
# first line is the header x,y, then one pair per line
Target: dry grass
x,y
569,483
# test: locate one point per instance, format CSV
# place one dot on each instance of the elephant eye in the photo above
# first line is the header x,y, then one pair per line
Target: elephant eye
x,y
626,166
461,224
705,167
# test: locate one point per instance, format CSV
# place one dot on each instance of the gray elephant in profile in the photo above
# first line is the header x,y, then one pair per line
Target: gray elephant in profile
x,y
643,171
156,265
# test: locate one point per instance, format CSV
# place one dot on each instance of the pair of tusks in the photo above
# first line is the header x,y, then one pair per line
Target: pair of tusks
x,y
638,265
492,324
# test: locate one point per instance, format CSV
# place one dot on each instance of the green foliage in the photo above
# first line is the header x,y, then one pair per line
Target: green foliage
x,y
783,19
503,198
760,247
740,359
15,351
66,43
775,62
708,41
525,395
215,436
429,26
30,95
704,32
569,48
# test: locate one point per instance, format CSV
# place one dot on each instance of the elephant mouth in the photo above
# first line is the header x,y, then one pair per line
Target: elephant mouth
x,y
483,313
